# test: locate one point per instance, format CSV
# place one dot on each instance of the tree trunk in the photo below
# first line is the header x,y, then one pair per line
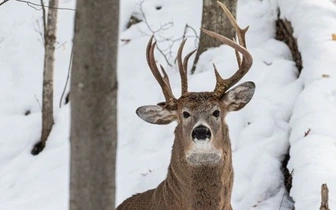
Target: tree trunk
x,y
48,75
214,19
93,106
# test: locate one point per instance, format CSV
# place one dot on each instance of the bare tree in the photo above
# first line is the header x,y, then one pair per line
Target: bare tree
x,y
93,106
48,93
214,20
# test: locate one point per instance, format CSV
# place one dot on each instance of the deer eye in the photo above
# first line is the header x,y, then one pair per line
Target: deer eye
x,y
186,114
215,113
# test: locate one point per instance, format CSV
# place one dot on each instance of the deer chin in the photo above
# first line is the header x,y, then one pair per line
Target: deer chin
x,y
204,159
203,154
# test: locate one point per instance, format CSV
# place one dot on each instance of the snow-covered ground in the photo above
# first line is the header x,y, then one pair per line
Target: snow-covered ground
x,y
283,109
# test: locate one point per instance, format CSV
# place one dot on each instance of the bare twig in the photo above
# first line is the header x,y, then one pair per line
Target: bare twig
x,y
155,31
283,196
196,36
39,31
34,5
42,5
67,79
44,22
38,102
29,4
162,27
61,44
184,36
167,53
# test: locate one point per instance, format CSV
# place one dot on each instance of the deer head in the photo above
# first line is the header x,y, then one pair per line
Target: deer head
x,y
201,132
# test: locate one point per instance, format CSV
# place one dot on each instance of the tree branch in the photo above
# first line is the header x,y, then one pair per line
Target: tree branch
x,y
32,4
167,52
44,23
4,2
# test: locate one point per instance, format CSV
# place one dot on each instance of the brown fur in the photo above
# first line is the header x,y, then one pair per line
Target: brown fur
x,y
187,187
200,173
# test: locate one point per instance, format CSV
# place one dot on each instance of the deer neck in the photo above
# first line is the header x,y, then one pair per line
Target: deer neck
x,y
202,187
211,188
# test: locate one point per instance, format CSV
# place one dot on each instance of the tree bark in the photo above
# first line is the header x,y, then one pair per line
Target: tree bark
x,y
50,28
93,106
214,19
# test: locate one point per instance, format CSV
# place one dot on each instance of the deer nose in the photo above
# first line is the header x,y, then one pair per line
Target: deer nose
x,y
201,133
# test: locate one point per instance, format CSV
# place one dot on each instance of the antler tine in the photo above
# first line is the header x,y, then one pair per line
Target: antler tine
x,y
186,59
183,67
237,56
240,32
182,70
166,79
223,85
243,68
220,82
163,81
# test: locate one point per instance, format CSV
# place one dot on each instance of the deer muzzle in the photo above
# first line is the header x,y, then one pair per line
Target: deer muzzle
x,y
201,133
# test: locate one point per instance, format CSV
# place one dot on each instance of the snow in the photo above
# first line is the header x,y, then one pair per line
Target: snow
x,y
313,155
286,112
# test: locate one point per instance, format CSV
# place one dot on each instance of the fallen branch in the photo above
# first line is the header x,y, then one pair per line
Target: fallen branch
x,y
284,33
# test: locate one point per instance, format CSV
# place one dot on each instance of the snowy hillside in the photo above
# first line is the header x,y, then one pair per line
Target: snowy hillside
x,y
276,121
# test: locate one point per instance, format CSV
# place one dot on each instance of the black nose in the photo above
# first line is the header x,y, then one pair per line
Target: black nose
x,y
201,133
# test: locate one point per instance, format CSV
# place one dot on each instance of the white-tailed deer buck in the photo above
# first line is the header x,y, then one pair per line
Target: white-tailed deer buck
x,y
200,174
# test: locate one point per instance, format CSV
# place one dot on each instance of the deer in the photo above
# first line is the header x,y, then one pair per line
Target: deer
x,y
200,174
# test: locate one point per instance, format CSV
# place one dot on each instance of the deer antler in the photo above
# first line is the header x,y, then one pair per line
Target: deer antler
x,y
183,68
163,81
222,85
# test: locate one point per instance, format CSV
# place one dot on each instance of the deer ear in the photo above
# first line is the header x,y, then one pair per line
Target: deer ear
x,y
236,98
156,114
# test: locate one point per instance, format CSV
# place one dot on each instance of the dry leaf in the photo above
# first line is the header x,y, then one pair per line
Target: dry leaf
x,y
333,37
